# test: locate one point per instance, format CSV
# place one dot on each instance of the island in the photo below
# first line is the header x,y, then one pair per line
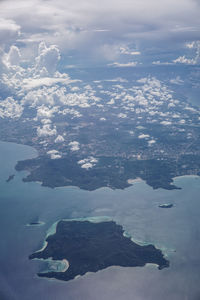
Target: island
x,y
166,205
36,223
11,177
90,247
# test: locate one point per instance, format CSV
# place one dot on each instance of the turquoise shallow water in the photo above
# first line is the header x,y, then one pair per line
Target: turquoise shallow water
x,y
176,231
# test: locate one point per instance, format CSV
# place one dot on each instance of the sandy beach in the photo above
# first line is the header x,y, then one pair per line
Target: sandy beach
x,y
132,181
65,261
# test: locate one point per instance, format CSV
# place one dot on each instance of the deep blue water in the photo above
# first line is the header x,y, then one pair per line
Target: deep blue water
x,y
176,231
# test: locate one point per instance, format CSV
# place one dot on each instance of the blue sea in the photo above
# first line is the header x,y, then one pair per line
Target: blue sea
x,y
176,231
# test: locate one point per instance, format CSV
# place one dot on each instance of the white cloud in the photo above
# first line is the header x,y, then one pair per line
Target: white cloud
x,y
54,154
191,109
151,142
122,116
177,80
127,51
70,111
87,166
40,72
158,62
39,84
31,83
182,121
59,139
45,121
13,57
88,163
46,130
190,61
82,99
74,146
111,102
184,60
166,123
190,45
123,65
103,30
45,112
143,136
9,108
48,58
117,79
77,24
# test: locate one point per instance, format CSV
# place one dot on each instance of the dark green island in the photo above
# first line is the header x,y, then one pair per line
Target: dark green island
x,y
90,247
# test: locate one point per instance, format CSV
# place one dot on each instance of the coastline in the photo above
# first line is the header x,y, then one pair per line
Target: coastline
x,y
65,261
132,181
185,176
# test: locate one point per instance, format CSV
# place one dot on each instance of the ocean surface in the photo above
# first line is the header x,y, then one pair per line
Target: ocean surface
x,y
176,231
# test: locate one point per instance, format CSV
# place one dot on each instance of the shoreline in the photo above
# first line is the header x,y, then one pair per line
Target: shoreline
x,y
66,262
132,181
185,176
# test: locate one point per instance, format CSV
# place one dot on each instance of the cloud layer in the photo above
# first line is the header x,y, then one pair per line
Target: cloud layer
x,y
105,27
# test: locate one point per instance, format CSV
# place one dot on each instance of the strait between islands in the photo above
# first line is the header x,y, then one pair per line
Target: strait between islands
x,y
90,247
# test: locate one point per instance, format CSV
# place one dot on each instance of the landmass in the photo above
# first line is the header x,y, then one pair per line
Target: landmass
x,y
105,136
11,177
110,172
166,205
90,247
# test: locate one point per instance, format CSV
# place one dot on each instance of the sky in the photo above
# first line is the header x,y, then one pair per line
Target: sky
x,y
113,32
41,39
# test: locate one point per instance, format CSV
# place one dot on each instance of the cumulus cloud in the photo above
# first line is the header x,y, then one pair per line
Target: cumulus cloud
x,y
41,71
127,51
143,136
151,142
9,108
46,130
74,146
122,115
13,57
45,112
184,60
88,163
190,61
48,58
182,121
71,111
59,139
166,123
38,84
31,83
54,154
